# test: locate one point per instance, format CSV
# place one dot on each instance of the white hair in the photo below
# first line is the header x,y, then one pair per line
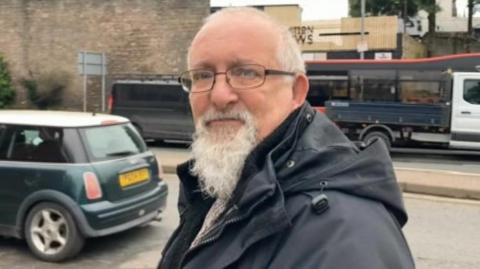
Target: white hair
x,y
220,153
289,55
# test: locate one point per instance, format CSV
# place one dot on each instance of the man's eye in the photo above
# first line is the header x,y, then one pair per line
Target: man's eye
x,y
198,76
245,73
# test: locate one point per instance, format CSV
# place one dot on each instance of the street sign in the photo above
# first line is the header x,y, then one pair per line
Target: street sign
x,y
92,63
362,46
383,56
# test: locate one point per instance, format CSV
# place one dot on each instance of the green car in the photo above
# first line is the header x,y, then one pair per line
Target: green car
x,y
66,176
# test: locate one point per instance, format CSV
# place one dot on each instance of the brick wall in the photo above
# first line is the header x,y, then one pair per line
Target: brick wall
x,y
412,48
450,43
138,37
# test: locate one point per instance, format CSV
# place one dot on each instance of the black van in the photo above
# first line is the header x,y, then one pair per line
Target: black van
x,y
159,109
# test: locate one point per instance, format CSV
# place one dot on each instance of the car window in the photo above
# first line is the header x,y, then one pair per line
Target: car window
x,y
471,92
3,141
110,142
35,144
149,95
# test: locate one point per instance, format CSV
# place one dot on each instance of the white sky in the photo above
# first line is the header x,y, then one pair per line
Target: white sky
x,y
318,9
312,9
462,9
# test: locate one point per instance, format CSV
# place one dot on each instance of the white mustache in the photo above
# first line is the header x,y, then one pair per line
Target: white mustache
x,y
212,115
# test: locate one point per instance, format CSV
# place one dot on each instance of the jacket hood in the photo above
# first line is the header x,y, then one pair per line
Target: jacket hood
x,y
322,158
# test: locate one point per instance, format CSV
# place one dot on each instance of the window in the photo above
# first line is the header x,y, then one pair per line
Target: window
x,y
323,88
35,144
373,85
422,87
471,91
148,95
421,92
108,142
311,56
3,142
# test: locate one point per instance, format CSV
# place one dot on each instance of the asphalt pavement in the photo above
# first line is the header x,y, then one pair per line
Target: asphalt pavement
x,y
446,183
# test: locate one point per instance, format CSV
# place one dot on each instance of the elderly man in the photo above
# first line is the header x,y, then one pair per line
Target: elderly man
x,y
272,183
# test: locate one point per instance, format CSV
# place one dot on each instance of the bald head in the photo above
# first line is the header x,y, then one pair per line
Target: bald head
x,y
248,23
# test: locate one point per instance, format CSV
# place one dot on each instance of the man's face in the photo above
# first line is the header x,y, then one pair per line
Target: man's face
x,y
228,42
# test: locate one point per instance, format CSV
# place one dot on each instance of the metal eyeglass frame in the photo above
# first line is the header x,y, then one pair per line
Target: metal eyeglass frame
x,y
266,73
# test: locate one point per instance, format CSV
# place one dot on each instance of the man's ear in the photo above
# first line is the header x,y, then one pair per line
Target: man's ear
x,y
300,90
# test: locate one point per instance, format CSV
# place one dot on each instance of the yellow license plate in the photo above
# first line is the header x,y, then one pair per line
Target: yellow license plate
x,y
133,177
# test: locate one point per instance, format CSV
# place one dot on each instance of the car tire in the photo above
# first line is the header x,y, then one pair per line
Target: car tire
x,y
51,233
370,137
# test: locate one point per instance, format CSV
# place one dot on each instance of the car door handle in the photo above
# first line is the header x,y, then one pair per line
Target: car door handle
x,y
466,112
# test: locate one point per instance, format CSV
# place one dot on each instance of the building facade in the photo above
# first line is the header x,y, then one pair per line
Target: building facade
x,y
138,38
453,16
342,38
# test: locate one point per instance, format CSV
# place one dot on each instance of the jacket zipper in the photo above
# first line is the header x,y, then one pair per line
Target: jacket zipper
x,y
214,237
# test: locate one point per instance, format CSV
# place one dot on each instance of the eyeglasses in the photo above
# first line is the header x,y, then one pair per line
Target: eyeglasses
x,y
240,77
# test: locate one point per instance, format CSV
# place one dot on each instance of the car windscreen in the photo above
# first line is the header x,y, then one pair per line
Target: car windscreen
x,y
112,141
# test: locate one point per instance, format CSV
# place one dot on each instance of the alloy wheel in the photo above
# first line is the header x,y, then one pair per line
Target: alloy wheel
x,y
49,231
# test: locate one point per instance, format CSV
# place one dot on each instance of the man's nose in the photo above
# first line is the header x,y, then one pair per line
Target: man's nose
x,y
222,94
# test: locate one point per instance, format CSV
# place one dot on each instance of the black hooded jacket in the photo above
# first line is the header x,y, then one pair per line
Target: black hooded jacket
x,y
307,198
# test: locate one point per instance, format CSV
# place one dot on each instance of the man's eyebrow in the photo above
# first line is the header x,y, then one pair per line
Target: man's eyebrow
x,y
231,63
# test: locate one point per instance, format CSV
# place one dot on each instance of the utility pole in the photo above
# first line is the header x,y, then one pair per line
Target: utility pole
x,y
405,16
468,39
362,29
470,17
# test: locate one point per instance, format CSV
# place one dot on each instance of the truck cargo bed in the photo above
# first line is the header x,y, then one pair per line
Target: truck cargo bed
x,y
428,115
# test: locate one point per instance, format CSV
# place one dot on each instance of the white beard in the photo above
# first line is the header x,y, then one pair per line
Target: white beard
x,y
220,154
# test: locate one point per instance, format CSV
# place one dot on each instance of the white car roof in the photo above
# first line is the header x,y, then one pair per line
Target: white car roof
x,y
58,118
